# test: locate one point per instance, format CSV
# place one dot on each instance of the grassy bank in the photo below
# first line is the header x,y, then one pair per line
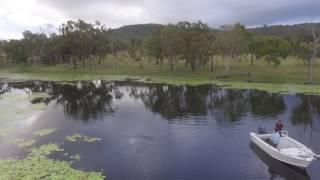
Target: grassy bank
x,y
290,76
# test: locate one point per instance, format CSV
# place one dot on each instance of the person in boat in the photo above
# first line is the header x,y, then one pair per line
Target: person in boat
x,y
275,138
278,127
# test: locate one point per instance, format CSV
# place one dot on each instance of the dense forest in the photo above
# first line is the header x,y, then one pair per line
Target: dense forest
x,y
195,44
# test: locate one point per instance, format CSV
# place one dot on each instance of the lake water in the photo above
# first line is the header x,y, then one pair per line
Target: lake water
x,y
155,131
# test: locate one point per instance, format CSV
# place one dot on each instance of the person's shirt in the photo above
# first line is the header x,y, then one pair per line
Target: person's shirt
x,y
275,138
278,127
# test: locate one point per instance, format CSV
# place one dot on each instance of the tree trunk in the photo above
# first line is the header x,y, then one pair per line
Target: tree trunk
x,y
227,65
90,63
211,68
193,65
251,59
54,60
171,63
100,59
83,60
311,69
316,39
75,63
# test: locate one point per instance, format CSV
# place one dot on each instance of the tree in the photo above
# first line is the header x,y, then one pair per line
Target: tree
x,y
197,44
253,47
15,51
135,48
272,49
315,45
152,46
101,41
171,44
303,51
118,46
232,42
213,48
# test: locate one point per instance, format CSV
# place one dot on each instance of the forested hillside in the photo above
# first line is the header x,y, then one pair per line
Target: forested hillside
x,y
138,31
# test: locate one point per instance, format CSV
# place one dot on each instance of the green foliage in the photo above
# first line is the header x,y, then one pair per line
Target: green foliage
x,y
184,41
289,74
171,44
45,150
76,157
44,132
303,51
5,131
16,105
272,49
124,34
184,46
80,137
22,143
37,165
152,46
77,41
296,32
196,37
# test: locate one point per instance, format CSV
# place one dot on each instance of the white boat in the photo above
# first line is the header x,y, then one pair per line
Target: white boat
x,y
288,150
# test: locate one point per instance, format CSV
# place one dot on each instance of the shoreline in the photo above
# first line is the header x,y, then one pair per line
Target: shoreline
x,y
284,88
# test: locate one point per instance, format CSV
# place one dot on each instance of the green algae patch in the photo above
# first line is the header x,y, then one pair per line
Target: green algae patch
x,y
45,150
81,137
38,166
5,131
44,132
16,106
22,143
76,157
271,87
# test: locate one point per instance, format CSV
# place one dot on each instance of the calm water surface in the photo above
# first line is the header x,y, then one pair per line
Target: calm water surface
x,y
173,132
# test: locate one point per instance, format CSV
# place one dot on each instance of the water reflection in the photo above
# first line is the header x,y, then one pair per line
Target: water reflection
x,y
305,109
173,101
278,169
147,134
85,101
91,99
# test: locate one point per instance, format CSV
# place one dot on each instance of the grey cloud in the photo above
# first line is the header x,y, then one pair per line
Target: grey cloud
x,y
214,12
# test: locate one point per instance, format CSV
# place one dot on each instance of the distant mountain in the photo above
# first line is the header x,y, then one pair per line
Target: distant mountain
x,y
138,31
296,30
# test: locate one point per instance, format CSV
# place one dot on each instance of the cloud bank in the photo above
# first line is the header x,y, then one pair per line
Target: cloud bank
x,y
17,16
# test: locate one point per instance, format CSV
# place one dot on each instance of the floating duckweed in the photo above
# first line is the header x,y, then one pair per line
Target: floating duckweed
x,y
16,105
25,131
45,150
22,143
37,165
44,132
80,137
76,157
5,131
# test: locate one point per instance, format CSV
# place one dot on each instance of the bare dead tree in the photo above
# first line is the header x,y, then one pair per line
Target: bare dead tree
x,y
315,45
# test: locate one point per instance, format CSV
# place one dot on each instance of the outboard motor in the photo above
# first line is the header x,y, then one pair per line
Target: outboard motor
x,y
262,130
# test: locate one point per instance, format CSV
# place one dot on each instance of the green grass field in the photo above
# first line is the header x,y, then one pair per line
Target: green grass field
x,y
290,76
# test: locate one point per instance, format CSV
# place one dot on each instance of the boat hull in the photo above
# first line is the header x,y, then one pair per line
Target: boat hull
x,y
273,152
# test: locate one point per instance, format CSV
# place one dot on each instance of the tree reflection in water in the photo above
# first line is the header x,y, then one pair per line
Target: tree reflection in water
x,y
92,99
86,101
305,110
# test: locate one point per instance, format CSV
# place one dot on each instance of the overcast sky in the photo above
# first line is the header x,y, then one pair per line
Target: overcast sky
x,y
35,15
